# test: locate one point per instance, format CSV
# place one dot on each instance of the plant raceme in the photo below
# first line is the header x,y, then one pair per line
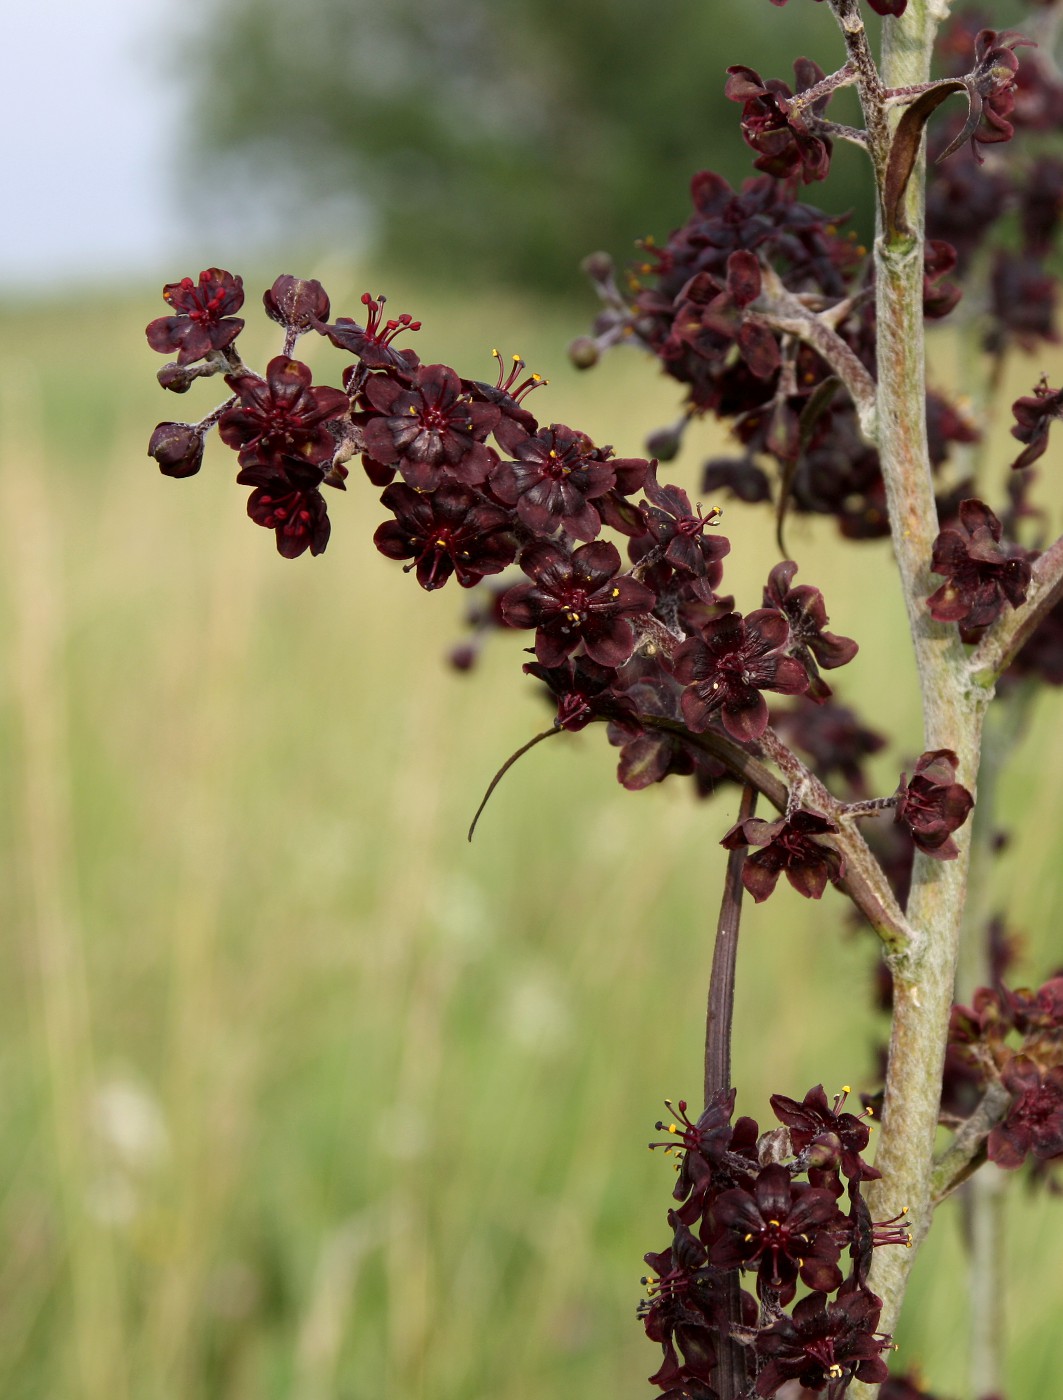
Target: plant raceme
x,y
766,311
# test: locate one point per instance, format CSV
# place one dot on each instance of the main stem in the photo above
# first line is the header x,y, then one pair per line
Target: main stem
x,y
924,975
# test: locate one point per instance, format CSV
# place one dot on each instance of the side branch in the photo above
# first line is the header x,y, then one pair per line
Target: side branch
x,y
864,881
967,1150
782,311
1009,634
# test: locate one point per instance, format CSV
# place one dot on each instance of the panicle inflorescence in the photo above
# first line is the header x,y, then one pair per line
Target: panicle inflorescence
x,y
768,1207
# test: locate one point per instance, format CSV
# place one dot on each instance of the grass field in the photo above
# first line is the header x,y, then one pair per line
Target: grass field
x,y
302,1097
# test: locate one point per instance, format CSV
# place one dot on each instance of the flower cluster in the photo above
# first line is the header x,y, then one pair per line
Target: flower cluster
x,y
769,1207
1015,1038
474,483
716,305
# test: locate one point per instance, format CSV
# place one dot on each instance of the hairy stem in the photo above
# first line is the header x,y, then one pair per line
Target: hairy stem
x,y
952,713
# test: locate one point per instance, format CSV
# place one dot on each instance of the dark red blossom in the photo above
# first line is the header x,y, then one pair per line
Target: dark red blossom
x,y
981,574
556,477
790,845
933,804
583,692
204,319
649,754
815,1121
1023,296
1034,413
509,392
729,663
282,421
939,295
782,1228
991,83
574,598
680,532
1034,1122
782,131
809,643
297,515
430,429
372,343
682,1314
824,1343
453,530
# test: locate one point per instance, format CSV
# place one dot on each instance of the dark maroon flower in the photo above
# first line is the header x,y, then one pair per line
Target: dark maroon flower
x,y
710,317
934,804
1034,413
809,643
727,666
788,844
824,1343
583,692
1023,302
649,755
740,476
577,598
298,516
556,476
981,574
178,448
681,1313
939,296
815,1121
431,429
678,531
372,342
991,83
297,303
1034,1123
204,319
782,131
783,1229
509,391
282,421
453,530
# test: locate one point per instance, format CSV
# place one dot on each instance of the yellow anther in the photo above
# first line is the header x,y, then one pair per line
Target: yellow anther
x,y
846,1089
616,593
672,1128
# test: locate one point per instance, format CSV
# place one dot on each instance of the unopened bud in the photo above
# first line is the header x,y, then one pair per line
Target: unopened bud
x,y
583,352
178,449
296,302
597,266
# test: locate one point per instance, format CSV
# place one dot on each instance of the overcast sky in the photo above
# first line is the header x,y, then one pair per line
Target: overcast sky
x,y
83,163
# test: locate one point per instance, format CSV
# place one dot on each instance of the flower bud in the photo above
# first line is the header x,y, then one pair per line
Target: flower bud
x,y
296,303
583,352
178,449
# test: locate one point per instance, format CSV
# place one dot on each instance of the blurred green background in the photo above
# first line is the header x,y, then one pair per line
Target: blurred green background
x,y
302,1097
